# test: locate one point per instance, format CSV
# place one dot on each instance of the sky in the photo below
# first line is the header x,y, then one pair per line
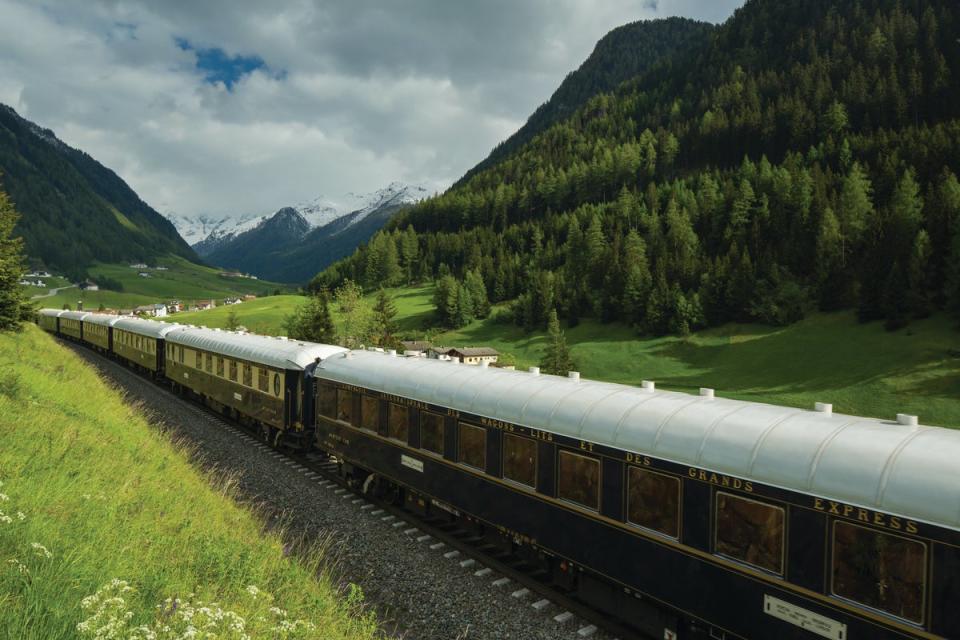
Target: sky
x,y
237,107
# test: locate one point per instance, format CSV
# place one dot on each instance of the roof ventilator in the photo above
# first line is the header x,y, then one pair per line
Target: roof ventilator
x,y
574,375
907,419
648,385
484,365
823,407
535,370
706,392
393,353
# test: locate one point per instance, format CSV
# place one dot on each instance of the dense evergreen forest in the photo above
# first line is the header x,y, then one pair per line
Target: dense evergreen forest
x,y
803,158
73,209
624,53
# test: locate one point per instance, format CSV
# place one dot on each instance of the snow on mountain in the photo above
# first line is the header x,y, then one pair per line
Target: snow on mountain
x,y
322,210
198,228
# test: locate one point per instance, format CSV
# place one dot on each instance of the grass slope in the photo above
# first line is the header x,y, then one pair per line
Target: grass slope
x,y
184,280
861,368
109,497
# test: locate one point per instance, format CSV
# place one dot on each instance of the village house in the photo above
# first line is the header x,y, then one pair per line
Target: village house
x,y
174,306
138,265
438,353
33,283
203,305
151,310
248,297
88,285
232,300
415,348
39,274
144,274
474,355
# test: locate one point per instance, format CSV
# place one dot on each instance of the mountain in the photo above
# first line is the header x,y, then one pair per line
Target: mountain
x,y
203,232
75,211
802,156
624,53
296,242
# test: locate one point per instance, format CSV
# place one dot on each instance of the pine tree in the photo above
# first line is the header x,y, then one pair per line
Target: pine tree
x,y
384,324
463,307
312,321
233,320
556,358
14,307
951,290
854,209
895,299
478,294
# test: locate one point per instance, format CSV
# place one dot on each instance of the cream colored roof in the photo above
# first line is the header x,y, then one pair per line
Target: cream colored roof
x,y
104,319
901,469
75,315
150,328
55,313
273,352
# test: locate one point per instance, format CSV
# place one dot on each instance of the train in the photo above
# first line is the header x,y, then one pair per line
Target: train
x,y
681,515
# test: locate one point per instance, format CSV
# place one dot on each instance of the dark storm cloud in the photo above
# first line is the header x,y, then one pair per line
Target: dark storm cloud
x,y
238,106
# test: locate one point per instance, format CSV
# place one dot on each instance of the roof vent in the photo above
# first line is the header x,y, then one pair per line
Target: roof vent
x,y
823,407
393,353
203,326
484,365
284,338
906,419
535,370
706,392
348,355
648,385
217,329
573,375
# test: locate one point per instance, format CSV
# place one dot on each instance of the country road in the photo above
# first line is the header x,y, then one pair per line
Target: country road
x,y
52,292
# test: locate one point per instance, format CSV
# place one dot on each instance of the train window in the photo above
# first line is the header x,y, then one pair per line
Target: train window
x,y
750,531
209,362
276,384
345,405
879,570
263,379
520,459
233,370
579,479
431,432
653,501
472,446
181,354
247,375
398,422
369,413
327,401
219,366
199,360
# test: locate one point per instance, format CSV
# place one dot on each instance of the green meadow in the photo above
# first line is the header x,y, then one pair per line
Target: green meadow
x,y
860,368
183,280
103,518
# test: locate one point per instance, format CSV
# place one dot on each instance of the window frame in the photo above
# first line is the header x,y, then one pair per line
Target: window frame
x,y
598,460
460,427
679,515
926,572
233,370
364,398
782,573
263,380
324,386
536,460
443,429
352,395
406,426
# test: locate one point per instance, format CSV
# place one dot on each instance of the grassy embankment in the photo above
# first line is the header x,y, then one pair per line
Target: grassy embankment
x,y
108,497
861,368
183,281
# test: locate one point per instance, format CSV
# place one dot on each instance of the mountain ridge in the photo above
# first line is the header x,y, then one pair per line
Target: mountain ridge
x,y
74,210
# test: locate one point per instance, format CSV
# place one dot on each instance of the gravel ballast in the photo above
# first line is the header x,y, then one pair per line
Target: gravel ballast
x,y
417,591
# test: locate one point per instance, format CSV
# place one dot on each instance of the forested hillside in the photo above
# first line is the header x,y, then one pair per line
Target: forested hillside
x,y
73,209
624,53
804,157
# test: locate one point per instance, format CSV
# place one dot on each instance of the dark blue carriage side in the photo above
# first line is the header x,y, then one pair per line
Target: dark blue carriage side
x,y
636,574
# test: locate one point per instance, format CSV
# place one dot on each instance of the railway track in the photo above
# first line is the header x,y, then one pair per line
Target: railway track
x,y
505,574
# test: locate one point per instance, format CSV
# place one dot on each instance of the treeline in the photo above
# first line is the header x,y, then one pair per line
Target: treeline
x,y
804,160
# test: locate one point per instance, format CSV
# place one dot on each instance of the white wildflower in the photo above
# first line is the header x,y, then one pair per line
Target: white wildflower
x,y
4,518
277,611
21,516
253,590
40,551
4,497
19,566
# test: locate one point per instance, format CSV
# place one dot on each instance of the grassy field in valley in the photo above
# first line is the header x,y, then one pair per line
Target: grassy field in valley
x,y
860,368
96,504
183,280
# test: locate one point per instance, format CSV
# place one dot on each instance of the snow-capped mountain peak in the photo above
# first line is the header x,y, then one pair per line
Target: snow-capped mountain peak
x,y
322,210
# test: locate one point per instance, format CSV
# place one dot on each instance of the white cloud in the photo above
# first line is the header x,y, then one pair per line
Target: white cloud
x,y
353,95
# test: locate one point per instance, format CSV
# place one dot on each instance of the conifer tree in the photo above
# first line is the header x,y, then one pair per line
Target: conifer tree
x,y
312,320
556,358
14,307
384,324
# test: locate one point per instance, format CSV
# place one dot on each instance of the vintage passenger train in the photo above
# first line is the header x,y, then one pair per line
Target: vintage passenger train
x,y
684,516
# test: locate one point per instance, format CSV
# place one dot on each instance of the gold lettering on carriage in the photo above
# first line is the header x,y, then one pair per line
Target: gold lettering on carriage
x,y
719,479
407,402
865,515
636,458
497,424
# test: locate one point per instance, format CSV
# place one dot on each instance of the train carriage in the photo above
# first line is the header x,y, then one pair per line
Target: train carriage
x,y
96,330
673,512
71,324
48,319
257,378
140,342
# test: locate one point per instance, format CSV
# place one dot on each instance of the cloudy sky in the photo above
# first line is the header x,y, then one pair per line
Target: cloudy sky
x,y
234,106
